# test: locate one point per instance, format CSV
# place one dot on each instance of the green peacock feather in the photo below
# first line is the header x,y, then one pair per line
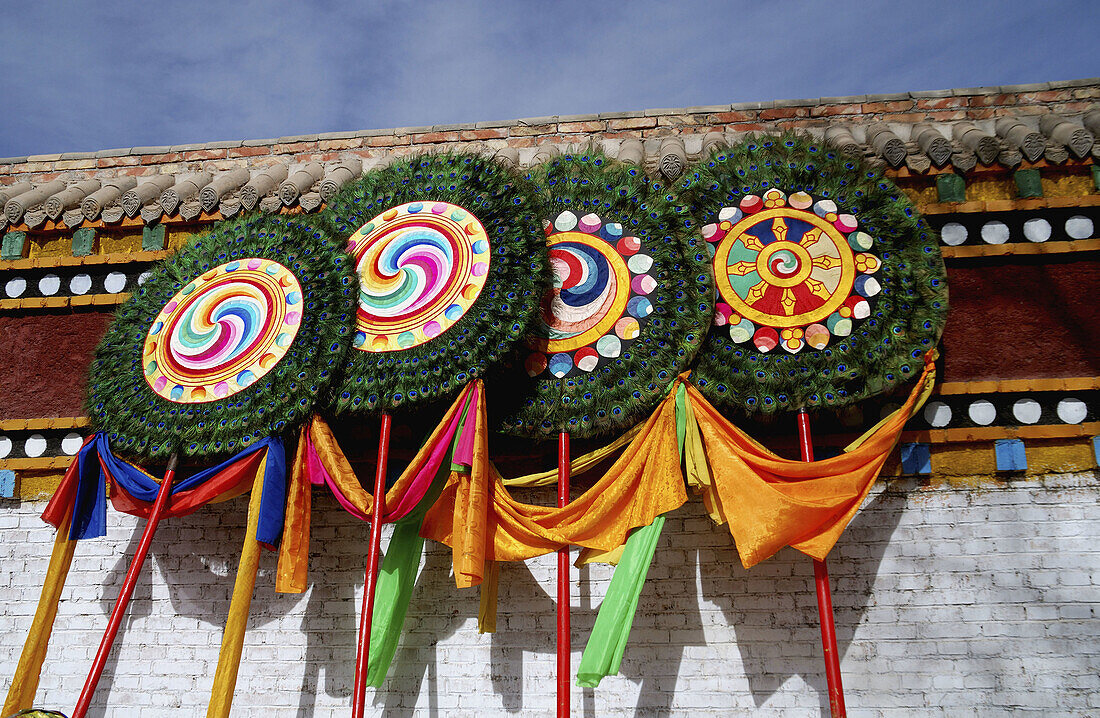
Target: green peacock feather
x,y
503,311
622,390
140,422
906,318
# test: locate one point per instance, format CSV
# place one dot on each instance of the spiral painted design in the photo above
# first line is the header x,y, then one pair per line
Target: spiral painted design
x,y
784,263
406,272
223,331
591,289
420,265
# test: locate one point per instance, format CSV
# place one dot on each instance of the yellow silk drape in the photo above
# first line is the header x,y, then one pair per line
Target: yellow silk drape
x,y
229,659
770,502
644,483
27,673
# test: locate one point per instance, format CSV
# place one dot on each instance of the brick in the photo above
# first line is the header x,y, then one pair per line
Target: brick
x,y
834,110
722,118
587,126
203,155
941,103
434,137
293,148
248,151
874,108
783,113
632,123
532,130
385,141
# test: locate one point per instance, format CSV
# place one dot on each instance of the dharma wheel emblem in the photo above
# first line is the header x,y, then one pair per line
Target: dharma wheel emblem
x,y
790,271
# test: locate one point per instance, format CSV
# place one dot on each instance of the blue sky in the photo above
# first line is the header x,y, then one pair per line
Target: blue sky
x,y
79,76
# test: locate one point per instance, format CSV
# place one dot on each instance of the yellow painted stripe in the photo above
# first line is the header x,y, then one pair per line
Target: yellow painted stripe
x,y
1020,248
113,258
58,422
1082,383
85,300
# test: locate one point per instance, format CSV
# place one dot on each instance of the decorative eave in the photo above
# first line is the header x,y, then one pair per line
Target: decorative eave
x,y
962,131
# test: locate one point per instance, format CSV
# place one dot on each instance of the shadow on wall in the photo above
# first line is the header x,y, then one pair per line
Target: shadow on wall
x,y
770,612
697,593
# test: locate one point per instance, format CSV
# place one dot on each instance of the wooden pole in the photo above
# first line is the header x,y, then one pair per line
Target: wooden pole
x,y
362,655
128,584
824,597
564,634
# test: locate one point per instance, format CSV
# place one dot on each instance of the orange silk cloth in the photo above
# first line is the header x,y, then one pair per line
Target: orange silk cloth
x,y
770,502
481,522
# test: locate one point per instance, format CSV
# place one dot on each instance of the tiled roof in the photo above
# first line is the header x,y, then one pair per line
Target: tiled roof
x,y
915,133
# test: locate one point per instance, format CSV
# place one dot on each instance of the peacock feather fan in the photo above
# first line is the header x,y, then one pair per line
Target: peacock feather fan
x,y
451,264
631,301
230,340
830,285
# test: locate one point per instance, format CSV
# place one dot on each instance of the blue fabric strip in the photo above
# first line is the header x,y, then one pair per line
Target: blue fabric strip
x,y
273,500
90,506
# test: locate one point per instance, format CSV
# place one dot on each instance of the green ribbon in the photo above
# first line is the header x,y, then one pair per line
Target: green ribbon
x,y
397,575
604,651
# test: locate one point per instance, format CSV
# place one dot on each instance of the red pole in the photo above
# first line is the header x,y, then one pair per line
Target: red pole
x,y
363,653
128,584
824,597
563,583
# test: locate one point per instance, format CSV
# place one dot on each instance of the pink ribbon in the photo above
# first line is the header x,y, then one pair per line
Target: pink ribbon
x,y
405,503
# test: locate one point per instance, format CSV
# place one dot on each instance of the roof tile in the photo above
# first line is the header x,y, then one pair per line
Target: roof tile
x,y
222,145
734,107
1084,82
888,97
335,136
576,118
931,94
531,121
798,102
154,150
120,152
454,127
383,132
1031,87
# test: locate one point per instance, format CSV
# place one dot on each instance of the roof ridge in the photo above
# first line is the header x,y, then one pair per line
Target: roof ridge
x,y
585,117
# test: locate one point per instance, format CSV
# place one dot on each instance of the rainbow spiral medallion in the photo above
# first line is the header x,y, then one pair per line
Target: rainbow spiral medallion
x,y
421,265
598,300
223,331
790,271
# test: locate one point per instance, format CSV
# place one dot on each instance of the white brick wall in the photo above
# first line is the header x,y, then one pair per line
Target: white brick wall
x,y
949,602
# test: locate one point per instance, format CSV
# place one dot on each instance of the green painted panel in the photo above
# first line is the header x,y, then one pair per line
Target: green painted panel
x,y
14,245
83,242
152,237
950,188
1028,183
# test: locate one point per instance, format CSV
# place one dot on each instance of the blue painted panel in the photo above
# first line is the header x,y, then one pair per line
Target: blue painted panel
x,y
916,459
1010,455
7,483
